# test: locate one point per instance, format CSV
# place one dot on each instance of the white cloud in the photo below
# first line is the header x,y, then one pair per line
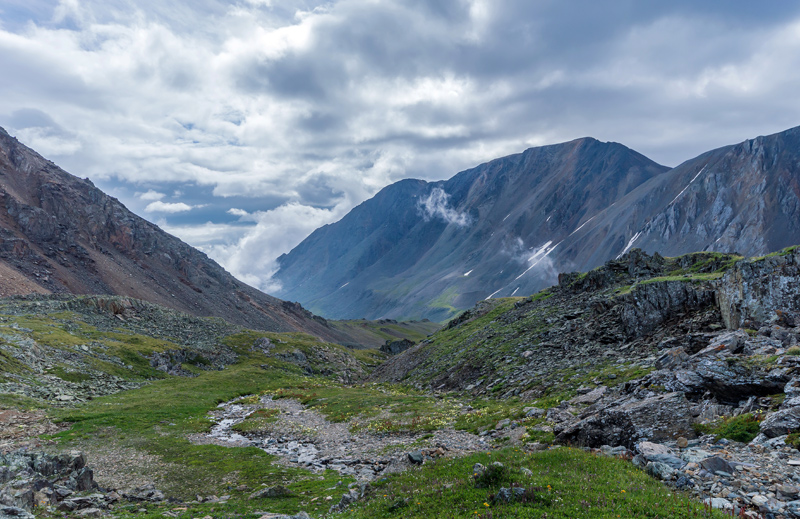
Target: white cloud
x,y
435,205
167,207
250,253
238,212
150,195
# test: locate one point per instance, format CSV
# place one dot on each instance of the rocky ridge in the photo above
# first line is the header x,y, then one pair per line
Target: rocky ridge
x,y
508,226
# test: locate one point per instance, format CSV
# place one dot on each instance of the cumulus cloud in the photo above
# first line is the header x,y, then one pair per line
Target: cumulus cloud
x,y
167,207
319,104
150,194
250,253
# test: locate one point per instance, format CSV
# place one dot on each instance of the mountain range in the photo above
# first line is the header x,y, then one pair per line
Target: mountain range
x,y
507,227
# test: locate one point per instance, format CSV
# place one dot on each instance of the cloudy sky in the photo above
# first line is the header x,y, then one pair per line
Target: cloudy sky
x,y
241,126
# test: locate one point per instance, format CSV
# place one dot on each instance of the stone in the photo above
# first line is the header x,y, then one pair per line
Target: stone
x,y
662,417
648,449
590,397
526,472
719,503
716,464
478,469
416,457
534,412
684,483
672,359
15,513
682,442
780,422
792,388
90,512
396,347
508,495
759,501
502,424
667,459
789,491
659,470
557,415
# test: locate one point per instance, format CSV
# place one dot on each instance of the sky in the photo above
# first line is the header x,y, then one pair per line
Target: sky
x,y
242,126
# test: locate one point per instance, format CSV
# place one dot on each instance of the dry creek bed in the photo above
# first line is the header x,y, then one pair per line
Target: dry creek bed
x,y
304,438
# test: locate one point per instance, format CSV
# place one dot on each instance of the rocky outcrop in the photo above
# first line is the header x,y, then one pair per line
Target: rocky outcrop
x,y
663,417
757,293
395,347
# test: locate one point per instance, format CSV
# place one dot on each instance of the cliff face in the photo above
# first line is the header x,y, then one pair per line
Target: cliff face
x,y
765,291
60,234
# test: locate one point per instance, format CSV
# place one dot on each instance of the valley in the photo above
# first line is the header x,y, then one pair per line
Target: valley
x,y
521,407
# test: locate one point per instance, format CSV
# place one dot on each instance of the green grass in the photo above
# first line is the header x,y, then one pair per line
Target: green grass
x,y
566,483
157,418
742,428
15,401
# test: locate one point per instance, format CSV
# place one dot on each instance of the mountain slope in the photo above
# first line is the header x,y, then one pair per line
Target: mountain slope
x,y
422,249
509,226
60,234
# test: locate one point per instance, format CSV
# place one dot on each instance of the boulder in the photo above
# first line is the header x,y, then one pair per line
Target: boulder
x,y
781,422
672,359
660,471
663,417
591,397
716,464
395,347
416,457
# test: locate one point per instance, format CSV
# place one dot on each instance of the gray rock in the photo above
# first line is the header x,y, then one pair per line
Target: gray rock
x,y
663,417
12,512
672,359
534,412
509,495
667,459
780,422
396,347
590,397
557,415
502,424
416,457
659,470
90,512
719,503
716,464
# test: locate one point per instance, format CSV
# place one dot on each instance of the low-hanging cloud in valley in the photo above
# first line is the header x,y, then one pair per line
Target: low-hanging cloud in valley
x,y
436,205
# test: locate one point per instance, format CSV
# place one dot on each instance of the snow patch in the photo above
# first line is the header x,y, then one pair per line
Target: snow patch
x,y
539,256
630,244
515,291
687,186
468,273
582,226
